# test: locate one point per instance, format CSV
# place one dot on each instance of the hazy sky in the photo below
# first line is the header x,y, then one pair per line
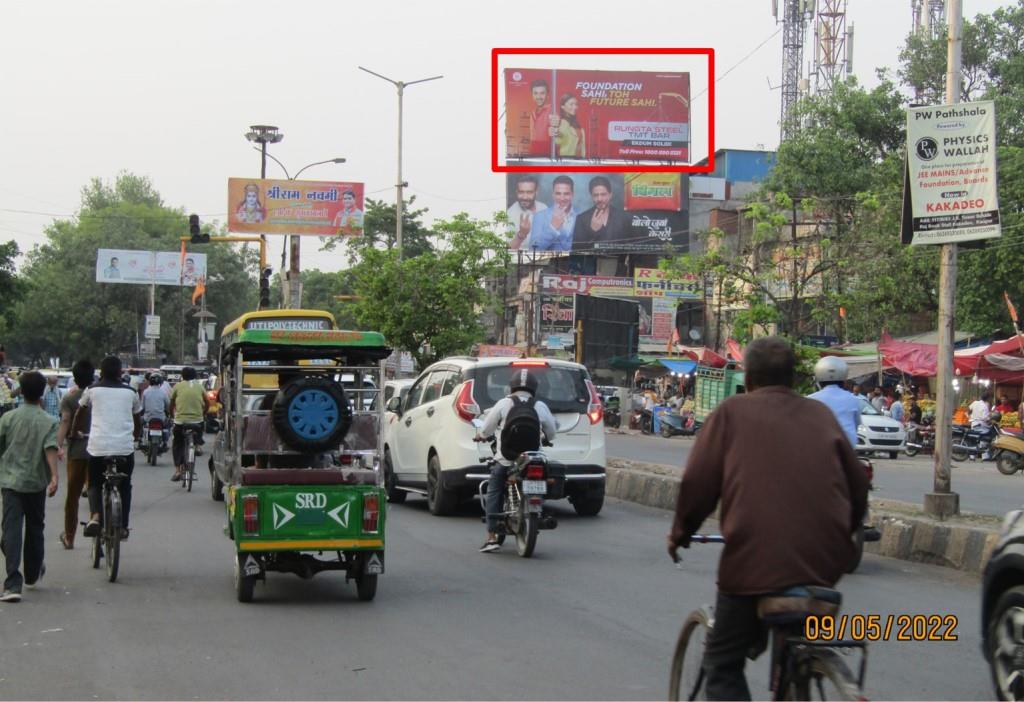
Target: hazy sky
x,y
168,89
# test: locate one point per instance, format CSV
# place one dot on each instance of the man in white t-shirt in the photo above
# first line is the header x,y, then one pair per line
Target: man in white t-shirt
x,y
116,424
980,410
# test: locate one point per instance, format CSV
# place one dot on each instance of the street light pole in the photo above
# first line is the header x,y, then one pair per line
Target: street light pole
x,y
264,134
400,204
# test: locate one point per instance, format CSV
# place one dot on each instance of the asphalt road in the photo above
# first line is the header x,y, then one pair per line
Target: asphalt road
x,y
982,488
594,615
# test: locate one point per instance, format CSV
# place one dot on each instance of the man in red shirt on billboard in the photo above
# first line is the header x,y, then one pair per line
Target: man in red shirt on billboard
x,y
540,140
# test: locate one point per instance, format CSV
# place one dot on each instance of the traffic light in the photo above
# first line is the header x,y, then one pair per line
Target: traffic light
x,y
193,228
265,288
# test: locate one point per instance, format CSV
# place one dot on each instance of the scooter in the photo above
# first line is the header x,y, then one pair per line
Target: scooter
x,y
1008,450
673,423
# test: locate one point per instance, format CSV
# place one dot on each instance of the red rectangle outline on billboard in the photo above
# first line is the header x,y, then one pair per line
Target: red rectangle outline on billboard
x,y
603,168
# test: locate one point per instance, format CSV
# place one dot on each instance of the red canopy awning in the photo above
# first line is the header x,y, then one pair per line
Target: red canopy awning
x,y
703,355
907,356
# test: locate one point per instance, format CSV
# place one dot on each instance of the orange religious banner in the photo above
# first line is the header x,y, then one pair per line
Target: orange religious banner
x,y
320,208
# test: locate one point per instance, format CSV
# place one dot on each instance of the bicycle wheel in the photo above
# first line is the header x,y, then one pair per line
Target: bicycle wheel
x,y
112,533
821,674
687,680
190,461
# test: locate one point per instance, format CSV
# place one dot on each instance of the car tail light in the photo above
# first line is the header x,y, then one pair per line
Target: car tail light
x,y
529,364
251,514
595,410
535,471
465,406
371,512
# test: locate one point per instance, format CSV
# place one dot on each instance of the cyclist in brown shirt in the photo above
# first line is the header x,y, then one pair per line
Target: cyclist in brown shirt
x,y
792,492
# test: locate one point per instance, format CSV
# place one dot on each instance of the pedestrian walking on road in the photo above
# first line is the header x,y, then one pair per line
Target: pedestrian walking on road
x,y
52,397
28,473
76,455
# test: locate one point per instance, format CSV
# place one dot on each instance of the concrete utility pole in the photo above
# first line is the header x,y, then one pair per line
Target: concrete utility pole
x,y
943,502
400,85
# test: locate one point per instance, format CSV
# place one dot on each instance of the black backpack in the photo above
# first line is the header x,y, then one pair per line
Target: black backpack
x,y
521,430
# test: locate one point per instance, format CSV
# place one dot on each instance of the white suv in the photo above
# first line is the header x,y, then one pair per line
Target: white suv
x,y
430,450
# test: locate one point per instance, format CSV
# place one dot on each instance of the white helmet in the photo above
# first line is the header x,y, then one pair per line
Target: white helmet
x,y
830,369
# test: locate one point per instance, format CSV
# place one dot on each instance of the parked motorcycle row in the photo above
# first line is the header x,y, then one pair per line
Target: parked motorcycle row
x,y
1002,445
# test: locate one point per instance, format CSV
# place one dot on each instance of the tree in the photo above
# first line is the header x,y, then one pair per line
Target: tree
x,y
64,312
434,298
10,285
379,222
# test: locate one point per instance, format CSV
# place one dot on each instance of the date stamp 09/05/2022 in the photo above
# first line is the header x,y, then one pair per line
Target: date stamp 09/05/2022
x,y
882,627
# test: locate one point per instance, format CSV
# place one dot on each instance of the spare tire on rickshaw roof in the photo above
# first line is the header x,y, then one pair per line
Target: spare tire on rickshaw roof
x,y
312,414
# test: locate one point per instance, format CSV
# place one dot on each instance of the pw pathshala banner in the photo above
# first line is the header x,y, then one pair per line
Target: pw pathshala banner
x,y
149,267
654,282
633,115
321,208
597,212
950,189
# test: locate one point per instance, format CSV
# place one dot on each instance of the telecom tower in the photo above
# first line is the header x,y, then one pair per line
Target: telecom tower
x,y
795,14
833,45
929,16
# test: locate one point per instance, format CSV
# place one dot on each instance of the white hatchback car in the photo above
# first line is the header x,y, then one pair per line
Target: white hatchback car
x,y
429,449
878,432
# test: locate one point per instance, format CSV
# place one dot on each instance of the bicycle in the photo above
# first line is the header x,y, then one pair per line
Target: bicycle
x,y
799,667
189,476
107,543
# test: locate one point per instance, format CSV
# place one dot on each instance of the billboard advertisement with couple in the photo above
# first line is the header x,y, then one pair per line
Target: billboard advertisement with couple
x,y
608,213
631,115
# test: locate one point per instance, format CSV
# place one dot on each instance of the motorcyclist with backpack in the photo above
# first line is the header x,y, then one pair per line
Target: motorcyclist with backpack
x,y
523,420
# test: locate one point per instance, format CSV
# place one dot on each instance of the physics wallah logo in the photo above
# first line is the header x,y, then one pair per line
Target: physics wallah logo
x,y
926,148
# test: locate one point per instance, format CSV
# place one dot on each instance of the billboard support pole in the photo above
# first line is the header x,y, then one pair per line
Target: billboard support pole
x,y
942,501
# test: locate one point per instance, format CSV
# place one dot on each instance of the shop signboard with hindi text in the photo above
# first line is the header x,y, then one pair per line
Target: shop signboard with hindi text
x,y
632,115
597,285
654,282
950,185
320,208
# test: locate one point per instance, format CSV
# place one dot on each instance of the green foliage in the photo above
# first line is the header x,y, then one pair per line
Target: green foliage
x,y
434,298
320,290
379,222
10,285
65,313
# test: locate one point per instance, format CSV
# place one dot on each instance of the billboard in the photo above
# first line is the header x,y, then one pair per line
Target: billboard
x,y
558,284
631,115
557,313
597,213
657,319
321,208
707,188
950,192
149,267
654,282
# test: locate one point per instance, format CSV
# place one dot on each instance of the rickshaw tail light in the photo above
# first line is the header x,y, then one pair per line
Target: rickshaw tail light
x,y
371,512
251,514
535,471
595,410
346,459
465,406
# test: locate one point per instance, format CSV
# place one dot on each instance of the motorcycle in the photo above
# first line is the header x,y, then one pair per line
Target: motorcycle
x,y
643,420
673,423
920,438
530,479
612,417
157,440
971,442
1008,450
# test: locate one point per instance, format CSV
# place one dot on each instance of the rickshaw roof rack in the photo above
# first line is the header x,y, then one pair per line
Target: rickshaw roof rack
x,y
320,343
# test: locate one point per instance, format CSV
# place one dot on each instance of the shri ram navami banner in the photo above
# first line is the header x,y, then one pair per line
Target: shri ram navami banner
x,y
321,208
630,115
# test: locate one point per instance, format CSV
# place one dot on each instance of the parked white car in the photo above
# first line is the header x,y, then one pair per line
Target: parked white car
x,y
878,432
429,449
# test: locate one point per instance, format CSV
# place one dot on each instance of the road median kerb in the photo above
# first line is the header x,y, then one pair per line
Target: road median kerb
x,y
963,543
